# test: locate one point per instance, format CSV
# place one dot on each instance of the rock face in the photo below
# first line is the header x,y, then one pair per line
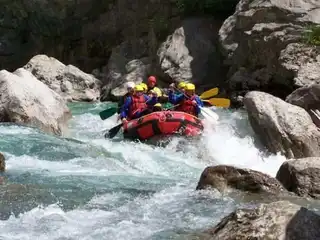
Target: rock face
x,y
277,221
224,177
282,127
26,100
263,45
82,32
301,176
68,81
128,62
191,52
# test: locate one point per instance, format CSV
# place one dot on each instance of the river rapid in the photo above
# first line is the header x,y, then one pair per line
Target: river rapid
x,y
87,187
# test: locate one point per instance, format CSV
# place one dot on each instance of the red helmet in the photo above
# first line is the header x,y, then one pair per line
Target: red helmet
x,y
152,79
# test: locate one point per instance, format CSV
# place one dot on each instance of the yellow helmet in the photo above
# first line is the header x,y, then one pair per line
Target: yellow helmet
x,y
190,87
157,91
158,105
138,88
145,87
182,85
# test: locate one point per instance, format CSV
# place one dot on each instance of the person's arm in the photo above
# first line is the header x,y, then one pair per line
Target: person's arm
x,y
150,100
125,108
198,105
175,98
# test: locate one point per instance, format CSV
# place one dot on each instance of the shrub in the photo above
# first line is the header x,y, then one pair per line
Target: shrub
x,y
312,35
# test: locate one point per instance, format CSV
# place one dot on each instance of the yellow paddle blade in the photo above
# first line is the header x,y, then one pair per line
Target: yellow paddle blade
x,y
219,102
210,93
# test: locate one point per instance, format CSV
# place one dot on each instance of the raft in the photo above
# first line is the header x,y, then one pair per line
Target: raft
x,y
163,123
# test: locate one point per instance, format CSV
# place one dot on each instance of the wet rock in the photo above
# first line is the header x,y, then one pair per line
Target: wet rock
x,y
2,163
301,176
224,177
68,81
278,220
282,127
26,100
190,53
266,39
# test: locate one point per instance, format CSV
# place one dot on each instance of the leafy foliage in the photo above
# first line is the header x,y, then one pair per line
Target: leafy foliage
x,y
312,35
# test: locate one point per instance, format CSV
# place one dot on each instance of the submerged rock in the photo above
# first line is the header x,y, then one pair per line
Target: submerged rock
x,y
191,52
264,47
301,176
281,126
224,177
280,220
68,81
26,100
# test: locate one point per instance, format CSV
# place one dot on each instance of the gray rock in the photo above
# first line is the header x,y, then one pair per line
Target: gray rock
x,y
2,163
68,81
280,220
266,38
26,100
282,127
224,178
126,63
307,97
190,53
301,176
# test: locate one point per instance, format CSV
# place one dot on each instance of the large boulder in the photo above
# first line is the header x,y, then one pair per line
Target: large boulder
x,y
26,100
280,220
224,178
191,52
301,176
307,97
68,81
264,47
282,127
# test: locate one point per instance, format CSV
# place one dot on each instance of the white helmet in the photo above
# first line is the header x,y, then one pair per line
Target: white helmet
x,y
130,85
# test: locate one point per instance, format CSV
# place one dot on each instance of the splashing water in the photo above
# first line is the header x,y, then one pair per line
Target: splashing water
x,y
88,187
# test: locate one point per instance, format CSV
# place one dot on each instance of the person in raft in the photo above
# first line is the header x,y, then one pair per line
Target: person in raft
x,y
188,101
152,85
136,106
130,90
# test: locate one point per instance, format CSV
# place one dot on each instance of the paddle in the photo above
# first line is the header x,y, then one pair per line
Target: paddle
x,y
209,93
207,113
113,131
108,113
218,102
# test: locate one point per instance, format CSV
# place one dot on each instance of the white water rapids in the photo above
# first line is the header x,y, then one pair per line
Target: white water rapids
x,y
114,189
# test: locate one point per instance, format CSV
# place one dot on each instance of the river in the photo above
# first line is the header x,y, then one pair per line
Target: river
x,y
87,187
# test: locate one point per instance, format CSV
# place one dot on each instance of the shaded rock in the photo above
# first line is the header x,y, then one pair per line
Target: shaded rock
x,y
190,53
2,163
266,38
278,221
82,32
307,97
301,176
224,177
282,127
68,81
26,100
128,62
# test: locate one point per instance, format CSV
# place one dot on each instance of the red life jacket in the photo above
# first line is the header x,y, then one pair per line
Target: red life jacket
x,y
187,106
138,103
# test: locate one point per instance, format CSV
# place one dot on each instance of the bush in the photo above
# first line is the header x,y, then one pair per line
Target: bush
x,y
312,35
218,8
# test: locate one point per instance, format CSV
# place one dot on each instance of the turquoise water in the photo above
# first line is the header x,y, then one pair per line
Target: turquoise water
x,y
86,187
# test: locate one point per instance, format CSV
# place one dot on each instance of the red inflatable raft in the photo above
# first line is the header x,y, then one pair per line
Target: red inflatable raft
x,y
163,123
